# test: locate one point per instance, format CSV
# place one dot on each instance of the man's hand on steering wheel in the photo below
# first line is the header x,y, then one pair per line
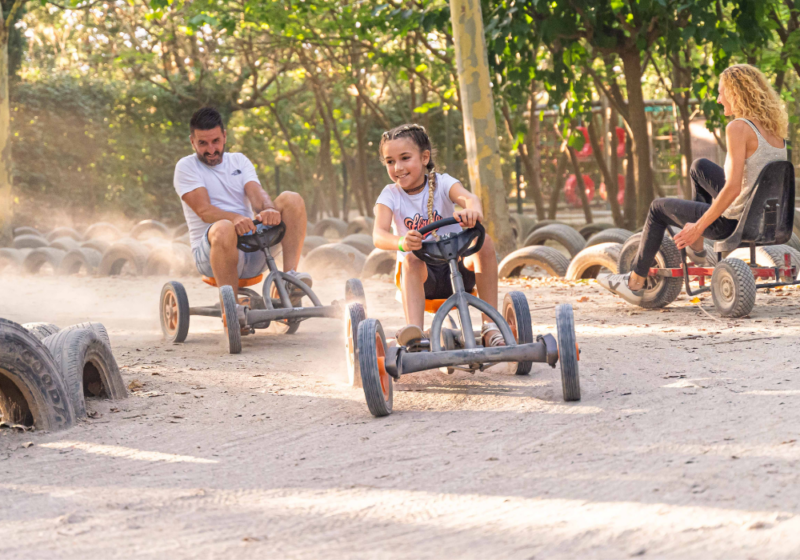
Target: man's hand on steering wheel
x,y
269,217
243,225
468,218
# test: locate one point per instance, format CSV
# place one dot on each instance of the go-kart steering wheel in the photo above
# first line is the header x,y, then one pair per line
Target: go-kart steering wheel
x,y
451,246
261,238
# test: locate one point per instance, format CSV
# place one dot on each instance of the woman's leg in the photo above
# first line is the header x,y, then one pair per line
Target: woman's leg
x,y
708,178
415,272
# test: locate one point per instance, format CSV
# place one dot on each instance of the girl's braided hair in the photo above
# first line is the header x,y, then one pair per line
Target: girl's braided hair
x,y
417,134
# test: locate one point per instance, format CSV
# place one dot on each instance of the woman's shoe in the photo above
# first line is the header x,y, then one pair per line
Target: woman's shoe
x,y
618,284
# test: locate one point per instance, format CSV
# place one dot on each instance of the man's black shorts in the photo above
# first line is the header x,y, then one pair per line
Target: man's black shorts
x,y
438,285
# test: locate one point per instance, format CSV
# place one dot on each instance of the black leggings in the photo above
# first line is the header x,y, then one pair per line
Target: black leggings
x,y
708,178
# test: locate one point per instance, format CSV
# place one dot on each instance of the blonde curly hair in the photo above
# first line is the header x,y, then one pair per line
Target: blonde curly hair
x,y
753,98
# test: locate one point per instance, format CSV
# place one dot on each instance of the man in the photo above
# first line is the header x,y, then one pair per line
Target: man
x,y
221,196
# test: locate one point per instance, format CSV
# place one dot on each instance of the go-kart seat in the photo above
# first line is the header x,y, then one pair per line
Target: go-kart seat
x,y
769,214
243,282
431,305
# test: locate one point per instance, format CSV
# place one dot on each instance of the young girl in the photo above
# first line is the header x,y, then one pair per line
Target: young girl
x,y
418,197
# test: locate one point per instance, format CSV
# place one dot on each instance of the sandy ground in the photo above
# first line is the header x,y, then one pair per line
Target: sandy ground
x,y
685,444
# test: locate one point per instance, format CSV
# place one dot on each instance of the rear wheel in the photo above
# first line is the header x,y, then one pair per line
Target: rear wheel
x,y
733,288
376,381
659,291
518,316
174,312
352,319
230,319
568,352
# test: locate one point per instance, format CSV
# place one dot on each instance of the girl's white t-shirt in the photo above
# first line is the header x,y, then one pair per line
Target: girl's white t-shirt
x,y
411,211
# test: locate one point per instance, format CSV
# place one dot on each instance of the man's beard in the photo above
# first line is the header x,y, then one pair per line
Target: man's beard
x,y
204,157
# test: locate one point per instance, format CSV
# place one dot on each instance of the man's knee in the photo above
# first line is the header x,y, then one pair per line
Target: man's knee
x,y
222,234
291,201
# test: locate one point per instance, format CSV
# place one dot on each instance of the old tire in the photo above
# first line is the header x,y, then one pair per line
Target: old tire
x,y
379,262
32,391
29,242
64,232
768,256
733,288
794,242
103,230
99,245
588,230
592,260
611,235
362,224
124,256
353,316
659,291
174,258
80,260
173,311
26,230
354,292
98,328
233,331
311,242
335,256
330,228
12,259
42,256
565,236
149,228
547,259
41,330
521,226
518,316
360,241
568,352
377,383
65,244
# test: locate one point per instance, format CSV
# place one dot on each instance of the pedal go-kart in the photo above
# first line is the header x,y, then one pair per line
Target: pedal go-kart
x,y
766,222
261,311
374,365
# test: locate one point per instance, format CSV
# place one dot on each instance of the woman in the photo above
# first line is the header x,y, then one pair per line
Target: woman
x,y
755,138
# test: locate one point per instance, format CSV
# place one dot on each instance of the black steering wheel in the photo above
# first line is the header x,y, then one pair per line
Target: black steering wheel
x,y
261,238
450,246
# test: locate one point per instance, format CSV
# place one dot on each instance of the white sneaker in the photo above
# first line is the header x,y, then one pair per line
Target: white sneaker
x,y
618,284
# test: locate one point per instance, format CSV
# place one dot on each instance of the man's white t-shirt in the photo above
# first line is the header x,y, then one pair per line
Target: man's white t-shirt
x,y
411,211
225,185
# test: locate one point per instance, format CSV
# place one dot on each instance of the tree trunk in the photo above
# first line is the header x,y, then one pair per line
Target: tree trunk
x,y
480,128
533,167
6,195
610,180
558,186
360,183
686,146
576,166
630,187
637,126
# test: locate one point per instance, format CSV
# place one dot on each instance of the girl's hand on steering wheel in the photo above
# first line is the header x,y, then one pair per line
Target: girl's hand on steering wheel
x,y
468,218
412,241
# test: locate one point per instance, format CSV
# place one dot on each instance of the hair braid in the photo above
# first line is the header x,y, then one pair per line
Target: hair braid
x,y
431,190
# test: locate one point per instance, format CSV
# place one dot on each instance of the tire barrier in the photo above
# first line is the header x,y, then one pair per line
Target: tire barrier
x,y
564,235
589,230
593,260
12,259
362,224
521,226
41,330
360,241
330,228
171,259
312,242
29,241
26,230
126,256
65,244
335,256
64,232
150,228
546,259
610,235
380,262
79,261
40,257
103,230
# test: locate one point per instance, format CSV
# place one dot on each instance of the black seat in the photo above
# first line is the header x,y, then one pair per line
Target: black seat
x,y
769,214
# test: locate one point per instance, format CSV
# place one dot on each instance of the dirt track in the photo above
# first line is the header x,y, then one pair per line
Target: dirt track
x,y
685,444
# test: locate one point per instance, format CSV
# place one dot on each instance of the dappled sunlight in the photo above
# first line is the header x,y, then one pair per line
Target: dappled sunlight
x,y
126,452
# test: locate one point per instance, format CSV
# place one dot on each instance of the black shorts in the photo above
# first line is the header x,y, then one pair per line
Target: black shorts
x,y
438,284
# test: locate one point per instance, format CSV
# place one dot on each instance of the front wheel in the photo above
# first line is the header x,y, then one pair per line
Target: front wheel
x,y
518,316
352,319
568,353
733,288
174,312
230,319
376,381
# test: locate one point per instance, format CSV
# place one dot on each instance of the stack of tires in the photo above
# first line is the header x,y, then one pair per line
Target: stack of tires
x,y
47,373
334,245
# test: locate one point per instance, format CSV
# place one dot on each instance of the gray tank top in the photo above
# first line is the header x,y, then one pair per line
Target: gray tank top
x,y
764,154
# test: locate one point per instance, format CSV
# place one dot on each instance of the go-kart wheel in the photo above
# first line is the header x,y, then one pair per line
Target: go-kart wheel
x,y
354,293
279,326
376,381
230,319
174,312
659,291
568,353
352,318
518,316
733,288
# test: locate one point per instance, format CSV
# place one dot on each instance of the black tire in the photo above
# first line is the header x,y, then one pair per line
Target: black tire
x,y
518,316
543,223
32,391
380,262
568,352
80,260
794,242
335,227
87,366
521,226
360,241
377,383
333,257
41,330
353,316
173,311
65,244
233,331
98,328
311,242
547,259
659,291
102,231
37,258
589,262
64,232
588,230
150,228
362,224
769,256
796,225
611,235
733,288
26,230
12,259
354,292
29,242
564,235
126,255
99,245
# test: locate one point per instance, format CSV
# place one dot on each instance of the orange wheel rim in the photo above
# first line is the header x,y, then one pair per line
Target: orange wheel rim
x,y
511,319
384,377
578,352
350,344
170,313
